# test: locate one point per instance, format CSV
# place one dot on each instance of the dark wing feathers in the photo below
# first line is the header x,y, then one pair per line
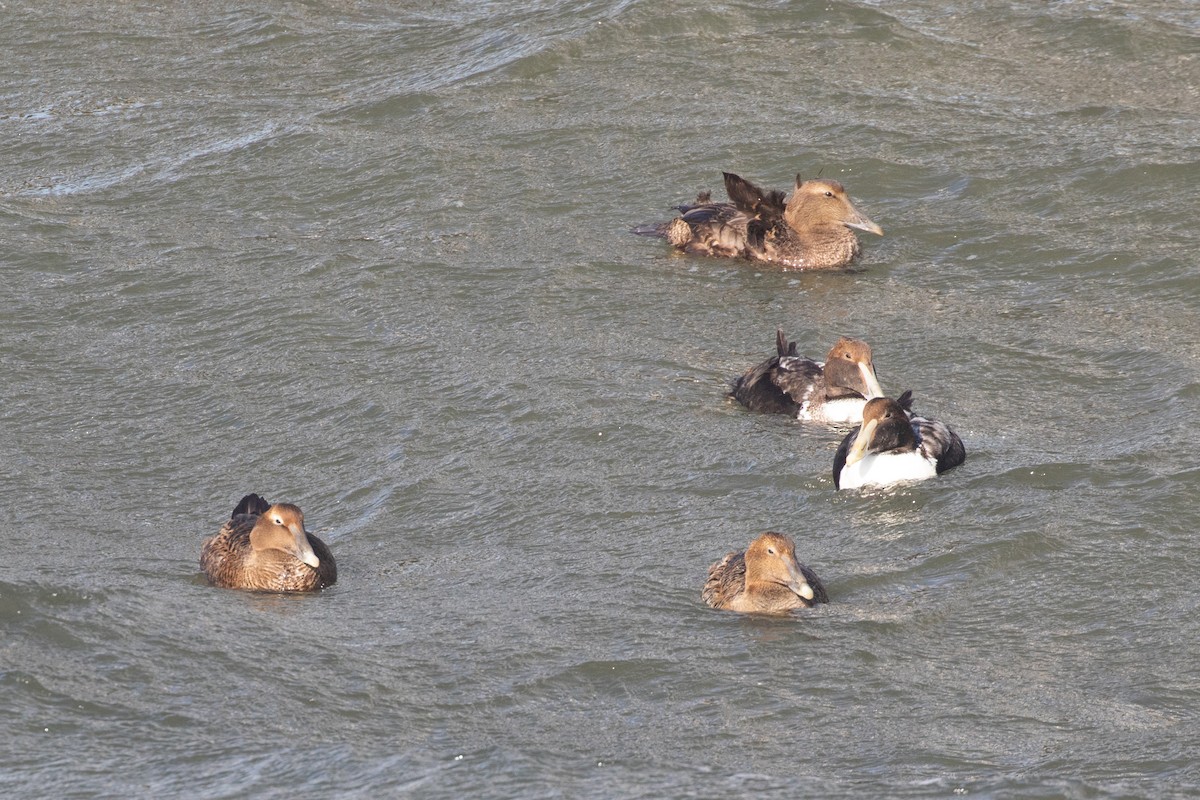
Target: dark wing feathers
x,y
756,234
937,441
797,376
819,593
744,195
327,571
752,200
757,394
698,215
764,210
251,504
839,458
791,379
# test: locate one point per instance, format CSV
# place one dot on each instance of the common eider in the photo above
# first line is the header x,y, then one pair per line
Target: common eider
x,y
894,445
813,229
833,391
265,547
765,579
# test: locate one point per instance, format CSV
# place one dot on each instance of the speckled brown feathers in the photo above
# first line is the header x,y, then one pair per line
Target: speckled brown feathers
x,y
809,230
265,547
765,579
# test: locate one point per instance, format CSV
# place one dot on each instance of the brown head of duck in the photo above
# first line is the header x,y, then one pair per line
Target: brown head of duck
x,y
267,548
824,220
849,370
765,579
886,428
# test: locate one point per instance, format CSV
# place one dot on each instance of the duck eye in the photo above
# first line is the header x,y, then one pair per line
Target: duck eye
x,y
828,193
278,521
771,550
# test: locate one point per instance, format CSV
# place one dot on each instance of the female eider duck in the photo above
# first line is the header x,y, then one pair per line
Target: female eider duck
x,y
810,230
765,579
894,445
264,547
833,391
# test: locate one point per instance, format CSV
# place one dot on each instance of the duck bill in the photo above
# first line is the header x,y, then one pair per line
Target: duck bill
x,y
861,442
797,583
860,221
869,378
304,550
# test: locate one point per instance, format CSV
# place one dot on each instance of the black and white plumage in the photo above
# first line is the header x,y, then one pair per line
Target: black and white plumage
x,y
833,391
894,445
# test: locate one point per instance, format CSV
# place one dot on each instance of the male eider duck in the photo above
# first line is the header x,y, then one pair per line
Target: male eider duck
x,y
765,579
264,547
811,230
894,445
833,391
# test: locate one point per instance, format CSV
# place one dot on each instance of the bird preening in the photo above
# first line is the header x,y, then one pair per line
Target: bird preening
x,y
811,229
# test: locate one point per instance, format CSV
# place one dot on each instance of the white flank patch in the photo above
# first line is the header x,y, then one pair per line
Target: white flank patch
x,y
847,411
881,469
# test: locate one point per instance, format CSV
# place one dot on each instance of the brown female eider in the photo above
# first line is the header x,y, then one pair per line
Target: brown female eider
x,y
765,579
264,547
810,230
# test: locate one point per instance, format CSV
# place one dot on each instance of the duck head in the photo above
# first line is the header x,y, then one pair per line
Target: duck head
x,y
885,427
818,203
281,527
771,559
848,368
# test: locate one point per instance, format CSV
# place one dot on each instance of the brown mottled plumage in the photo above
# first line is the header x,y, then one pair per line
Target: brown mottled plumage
x,y
265,547
811,230
833,391
765,579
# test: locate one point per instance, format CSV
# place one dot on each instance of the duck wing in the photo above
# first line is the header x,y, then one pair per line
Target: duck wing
x,y
763,212
938,443
753,201
782,383
839,458
819,593
251,504
221,554
778,385
726,580
327,572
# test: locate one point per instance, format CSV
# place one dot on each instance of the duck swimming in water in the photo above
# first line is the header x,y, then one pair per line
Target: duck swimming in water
x,y
834,391
765,579
894,445
265,547
810,230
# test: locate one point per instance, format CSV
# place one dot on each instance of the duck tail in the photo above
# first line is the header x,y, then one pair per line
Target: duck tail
x,y
655,229
251,504
782,345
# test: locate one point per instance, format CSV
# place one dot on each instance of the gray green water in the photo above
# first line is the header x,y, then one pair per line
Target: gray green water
x,y
373,259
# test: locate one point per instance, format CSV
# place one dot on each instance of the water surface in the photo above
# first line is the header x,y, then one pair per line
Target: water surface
x,y
373,259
